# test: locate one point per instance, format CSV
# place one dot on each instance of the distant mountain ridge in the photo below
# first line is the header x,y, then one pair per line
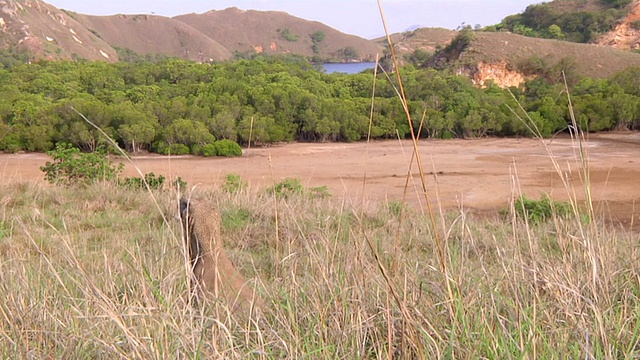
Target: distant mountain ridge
x,y
44,31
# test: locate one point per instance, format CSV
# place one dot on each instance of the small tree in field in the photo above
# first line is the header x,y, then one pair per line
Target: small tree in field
x,y
72,167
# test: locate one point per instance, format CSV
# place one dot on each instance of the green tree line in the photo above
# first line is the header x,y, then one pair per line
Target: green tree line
x,y
177,106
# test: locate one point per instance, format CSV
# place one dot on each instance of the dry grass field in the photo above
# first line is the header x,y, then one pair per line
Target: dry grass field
x,y
101,272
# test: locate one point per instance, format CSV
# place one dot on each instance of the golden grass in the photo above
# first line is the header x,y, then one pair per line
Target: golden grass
x,y
97,273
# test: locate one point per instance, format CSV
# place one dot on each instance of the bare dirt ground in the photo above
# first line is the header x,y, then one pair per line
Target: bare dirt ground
x,y
480,175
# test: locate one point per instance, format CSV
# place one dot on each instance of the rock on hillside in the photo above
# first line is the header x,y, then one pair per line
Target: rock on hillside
x,y
150,34
626,35
274,32
46,32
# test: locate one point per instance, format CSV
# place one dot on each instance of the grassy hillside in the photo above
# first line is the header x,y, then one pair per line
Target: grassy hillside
x,y
274,32
148,35
41,31
588,60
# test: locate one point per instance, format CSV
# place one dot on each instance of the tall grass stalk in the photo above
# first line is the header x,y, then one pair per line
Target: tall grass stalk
x,y
441,246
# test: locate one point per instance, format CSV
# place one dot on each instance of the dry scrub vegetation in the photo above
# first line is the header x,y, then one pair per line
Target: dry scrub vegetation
x,y
100,273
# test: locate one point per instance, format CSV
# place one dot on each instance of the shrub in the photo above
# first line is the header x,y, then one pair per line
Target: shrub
x,y
288,35
292,186
209,150
71,167
233,184
137,183
538,211
319,192
227,147
172,149
179,184
287,187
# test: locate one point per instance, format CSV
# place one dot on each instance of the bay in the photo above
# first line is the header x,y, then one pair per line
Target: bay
x,y
346,68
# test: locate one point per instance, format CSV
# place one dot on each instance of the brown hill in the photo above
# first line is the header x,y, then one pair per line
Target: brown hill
x,y
427,39
46,32
497,56
43,31
274,32
149,34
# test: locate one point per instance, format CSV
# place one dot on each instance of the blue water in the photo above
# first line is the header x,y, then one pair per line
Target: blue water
x,y
347,68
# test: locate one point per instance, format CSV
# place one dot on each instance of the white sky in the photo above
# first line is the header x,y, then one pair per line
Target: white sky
x,y
358,17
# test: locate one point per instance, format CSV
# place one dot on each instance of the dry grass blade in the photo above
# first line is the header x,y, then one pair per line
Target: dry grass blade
x,y
442,251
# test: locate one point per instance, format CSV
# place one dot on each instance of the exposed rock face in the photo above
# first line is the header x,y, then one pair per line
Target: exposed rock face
x,y
498,73
626,35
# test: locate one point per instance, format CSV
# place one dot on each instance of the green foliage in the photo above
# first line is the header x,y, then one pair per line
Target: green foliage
x,y
546,20
71,167
236,218
209,150
179,184
288,35
179,107
227,148
319,192
172,149
459,43
347,54
137,183
538,211
316,39
11,57
395,207
419,58
287,188
233,184
4,230
291,187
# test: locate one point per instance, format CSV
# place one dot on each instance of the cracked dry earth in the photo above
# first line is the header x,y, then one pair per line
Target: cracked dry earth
x,y
480,175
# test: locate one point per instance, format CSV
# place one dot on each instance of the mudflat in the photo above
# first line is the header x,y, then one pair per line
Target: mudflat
x,y
480,175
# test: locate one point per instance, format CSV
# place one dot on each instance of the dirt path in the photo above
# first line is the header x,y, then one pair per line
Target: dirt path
x,y
481,175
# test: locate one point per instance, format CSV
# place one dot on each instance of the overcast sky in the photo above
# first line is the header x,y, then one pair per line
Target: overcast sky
x,y
358,17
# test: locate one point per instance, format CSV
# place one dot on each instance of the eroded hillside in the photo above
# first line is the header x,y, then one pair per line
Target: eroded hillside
x,y
46,32
626,35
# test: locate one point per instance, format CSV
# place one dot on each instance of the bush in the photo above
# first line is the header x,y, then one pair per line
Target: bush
x,y
319,192
71,167
538,211
292,186
209,150
288,35
173,149
137,183
228,148
233,184
287,187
